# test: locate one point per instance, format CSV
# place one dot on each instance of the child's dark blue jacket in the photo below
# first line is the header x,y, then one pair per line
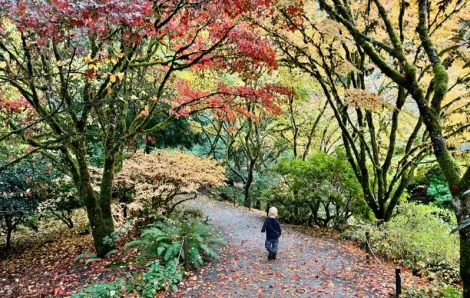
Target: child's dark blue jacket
x,y
272,228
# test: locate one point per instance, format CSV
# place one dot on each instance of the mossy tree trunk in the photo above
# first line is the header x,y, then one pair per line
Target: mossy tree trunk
x,y
101,222
429,103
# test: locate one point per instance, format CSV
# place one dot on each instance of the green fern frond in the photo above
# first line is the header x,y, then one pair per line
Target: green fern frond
x,y
209,252
84,256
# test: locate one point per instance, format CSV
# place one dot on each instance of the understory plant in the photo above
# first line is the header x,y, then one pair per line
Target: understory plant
x,y
419,236
146,284
164,239
443,292
320,191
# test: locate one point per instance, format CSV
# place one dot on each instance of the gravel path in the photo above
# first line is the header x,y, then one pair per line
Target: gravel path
x,y
306,266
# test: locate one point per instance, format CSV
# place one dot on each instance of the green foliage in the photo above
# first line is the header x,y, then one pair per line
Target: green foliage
x,y
446,292
439,191
103,290
18,200
232,194
164,239
177,134
322,190
422,231
157,277
147,284
431,188
85,255
265,183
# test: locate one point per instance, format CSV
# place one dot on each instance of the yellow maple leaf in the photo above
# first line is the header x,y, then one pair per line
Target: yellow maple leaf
x,y
120,75
112,78
3,64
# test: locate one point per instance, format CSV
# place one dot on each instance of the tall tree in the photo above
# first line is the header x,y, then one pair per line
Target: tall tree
x,y
248,140
382,138
101,70
406,56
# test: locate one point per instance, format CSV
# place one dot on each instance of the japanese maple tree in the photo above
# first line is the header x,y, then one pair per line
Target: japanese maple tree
x,y
160,181
100,70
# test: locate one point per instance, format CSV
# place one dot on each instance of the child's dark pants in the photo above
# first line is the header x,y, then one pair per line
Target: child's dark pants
x,y
271,245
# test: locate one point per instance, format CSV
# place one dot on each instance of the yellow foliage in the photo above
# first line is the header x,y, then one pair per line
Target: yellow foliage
x,y
364,99
158,177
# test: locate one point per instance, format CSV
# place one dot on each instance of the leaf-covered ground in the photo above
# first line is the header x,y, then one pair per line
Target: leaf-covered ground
x,y
50,270
307,266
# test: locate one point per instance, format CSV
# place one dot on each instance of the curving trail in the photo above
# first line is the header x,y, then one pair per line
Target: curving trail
x,y
306,266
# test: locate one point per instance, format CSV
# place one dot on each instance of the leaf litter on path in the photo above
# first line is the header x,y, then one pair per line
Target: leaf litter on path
x,y
307,266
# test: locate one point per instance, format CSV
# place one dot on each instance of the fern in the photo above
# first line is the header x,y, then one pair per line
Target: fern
x,y
164,239
86,255
209,251
91,260
112,252
172,251
139,243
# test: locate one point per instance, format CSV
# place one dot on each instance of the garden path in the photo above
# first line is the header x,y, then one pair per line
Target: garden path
x,y
307,266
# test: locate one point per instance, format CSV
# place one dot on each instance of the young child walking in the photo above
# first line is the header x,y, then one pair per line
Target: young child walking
x,y
273,231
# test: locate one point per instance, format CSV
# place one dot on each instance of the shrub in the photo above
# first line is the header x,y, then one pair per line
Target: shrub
x,y
59,198
103,290
164,239
431,188
160,181
18,199
146,284
322,191
445,292
231,193
418,230
157,278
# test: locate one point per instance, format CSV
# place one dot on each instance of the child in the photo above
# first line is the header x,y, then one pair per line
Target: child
x,y
273,231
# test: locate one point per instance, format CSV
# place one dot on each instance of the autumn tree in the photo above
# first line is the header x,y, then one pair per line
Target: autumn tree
x,y
305,123
160,181
381,137
247,138
428,66
102,70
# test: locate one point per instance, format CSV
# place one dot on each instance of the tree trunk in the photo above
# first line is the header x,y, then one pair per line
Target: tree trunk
x,y
248,183
100,230
100,222
465,262
70,223
106,190
8,244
